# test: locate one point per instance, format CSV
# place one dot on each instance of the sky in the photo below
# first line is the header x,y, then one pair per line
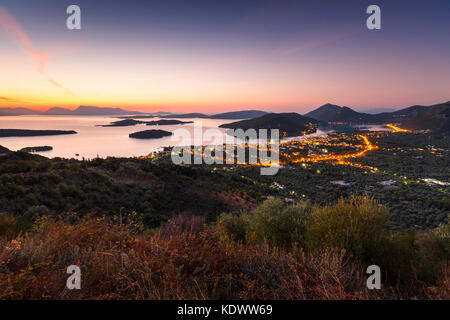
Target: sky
x,y
215,56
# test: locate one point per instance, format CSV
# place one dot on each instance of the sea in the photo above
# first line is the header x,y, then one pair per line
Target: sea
x,y
92,140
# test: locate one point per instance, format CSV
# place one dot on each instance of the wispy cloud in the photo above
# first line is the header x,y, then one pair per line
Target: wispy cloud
x,y
13,100
6,99
15,30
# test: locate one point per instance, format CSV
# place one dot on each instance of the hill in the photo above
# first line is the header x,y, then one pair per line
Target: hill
x,y
245,114
333,113
289,124
398,116
436,119
60,186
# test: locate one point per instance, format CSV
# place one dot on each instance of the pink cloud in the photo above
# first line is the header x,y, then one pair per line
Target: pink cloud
x,y
15,30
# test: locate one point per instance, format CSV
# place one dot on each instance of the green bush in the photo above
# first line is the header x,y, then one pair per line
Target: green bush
x,y
236,227
441,239
11,226
274,221
279,223
35,211
358,225
398,257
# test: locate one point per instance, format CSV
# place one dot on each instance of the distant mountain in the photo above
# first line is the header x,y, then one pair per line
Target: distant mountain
x,y
435,118
333,113
289,124
398,116
186,115
96,111
161,113
57,111
17,111
378,110
6,113
245,114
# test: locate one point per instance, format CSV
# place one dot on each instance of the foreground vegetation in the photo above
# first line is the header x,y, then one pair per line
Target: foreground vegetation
x,y
147,229
31,185
402,158
274,251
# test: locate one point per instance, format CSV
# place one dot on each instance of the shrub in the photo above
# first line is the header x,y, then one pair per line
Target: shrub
x,y
181,261
441,238
35,211
279,223
235,227
11,226
357,225
274,221
398,257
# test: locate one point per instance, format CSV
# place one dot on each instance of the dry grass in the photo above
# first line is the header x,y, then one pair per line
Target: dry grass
x,y
184,260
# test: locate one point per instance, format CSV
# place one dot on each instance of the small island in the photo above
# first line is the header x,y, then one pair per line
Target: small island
x,y
4,133
132,122
37,149
150,134
123,123
166,122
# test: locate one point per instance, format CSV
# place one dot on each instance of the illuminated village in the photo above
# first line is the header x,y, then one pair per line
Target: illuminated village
x,y
394,166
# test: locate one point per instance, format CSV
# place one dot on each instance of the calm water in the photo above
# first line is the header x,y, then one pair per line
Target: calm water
x,y
92,141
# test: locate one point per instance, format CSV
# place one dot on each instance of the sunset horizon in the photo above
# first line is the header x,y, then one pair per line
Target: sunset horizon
x,y
218,109
225,159
252,55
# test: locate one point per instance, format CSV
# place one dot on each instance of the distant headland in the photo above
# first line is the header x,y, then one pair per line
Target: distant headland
x,y
37,149
132,122
4,133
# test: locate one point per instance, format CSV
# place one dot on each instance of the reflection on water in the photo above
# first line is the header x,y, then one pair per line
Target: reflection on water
x,y
319,133
374,127
92,140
